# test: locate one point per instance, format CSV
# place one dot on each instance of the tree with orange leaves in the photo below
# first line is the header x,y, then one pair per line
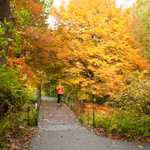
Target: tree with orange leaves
x,y
32,38
94,42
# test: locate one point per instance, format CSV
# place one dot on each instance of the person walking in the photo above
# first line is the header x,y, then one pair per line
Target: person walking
x,y
60,91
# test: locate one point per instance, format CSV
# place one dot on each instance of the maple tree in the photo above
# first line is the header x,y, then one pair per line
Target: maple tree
x,y
95,44
31,30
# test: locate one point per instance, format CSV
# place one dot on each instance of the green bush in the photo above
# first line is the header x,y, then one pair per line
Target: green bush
x,y
17,96
135,96
14,124
128,124
86,119
33,116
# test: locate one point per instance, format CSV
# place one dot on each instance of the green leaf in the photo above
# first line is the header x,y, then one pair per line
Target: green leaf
x,y
9,39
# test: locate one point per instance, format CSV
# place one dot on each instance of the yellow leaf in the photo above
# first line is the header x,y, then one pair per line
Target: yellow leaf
x,y
140,146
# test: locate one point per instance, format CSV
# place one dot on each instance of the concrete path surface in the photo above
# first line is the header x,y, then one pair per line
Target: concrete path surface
x,y
59,129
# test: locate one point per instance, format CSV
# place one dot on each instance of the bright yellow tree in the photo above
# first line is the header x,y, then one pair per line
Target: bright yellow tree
x,y
94,41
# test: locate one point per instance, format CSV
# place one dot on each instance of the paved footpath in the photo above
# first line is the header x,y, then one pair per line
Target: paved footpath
x,y
59,129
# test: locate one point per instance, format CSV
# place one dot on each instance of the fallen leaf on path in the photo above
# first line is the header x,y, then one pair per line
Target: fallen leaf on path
x,y
114,146
140,146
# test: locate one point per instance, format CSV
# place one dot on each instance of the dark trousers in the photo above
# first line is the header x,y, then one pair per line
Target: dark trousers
x,y
59,98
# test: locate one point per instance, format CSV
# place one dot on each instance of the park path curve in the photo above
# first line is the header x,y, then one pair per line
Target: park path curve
x,y
59,129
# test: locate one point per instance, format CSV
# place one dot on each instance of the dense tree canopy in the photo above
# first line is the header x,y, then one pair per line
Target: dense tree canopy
x,y
94,42
91,47
34,38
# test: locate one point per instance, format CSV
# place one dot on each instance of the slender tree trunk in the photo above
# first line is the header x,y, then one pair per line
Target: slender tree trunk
x,y
5,12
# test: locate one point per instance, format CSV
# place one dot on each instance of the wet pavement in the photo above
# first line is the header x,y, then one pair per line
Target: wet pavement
x,y
59,129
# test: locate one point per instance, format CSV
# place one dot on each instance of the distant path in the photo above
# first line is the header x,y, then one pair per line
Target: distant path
x,y
59,129
47,99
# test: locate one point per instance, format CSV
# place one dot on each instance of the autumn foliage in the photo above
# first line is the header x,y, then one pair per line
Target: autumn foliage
x,y
95,44
91,49
34,39
135,96
140,22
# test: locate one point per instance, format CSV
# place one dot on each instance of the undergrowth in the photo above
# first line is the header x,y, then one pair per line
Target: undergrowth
x,y
17,96
129,124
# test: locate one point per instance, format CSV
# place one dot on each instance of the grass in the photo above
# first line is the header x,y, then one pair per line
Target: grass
x,y
54,98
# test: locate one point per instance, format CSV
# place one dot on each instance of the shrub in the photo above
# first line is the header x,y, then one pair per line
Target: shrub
x,y
33,116
128,124
135,96
13,91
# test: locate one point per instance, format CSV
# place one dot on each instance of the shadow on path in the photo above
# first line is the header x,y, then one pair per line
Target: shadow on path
x,y
59,129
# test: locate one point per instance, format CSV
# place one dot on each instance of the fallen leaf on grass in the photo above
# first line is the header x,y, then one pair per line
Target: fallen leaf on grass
x,y
19,140
25,139
8,136
21,127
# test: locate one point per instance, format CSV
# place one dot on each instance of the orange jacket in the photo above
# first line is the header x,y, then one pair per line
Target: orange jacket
x,y
60,89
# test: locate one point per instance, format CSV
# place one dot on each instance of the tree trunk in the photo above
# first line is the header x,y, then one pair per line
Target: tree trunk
x,y
5,12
